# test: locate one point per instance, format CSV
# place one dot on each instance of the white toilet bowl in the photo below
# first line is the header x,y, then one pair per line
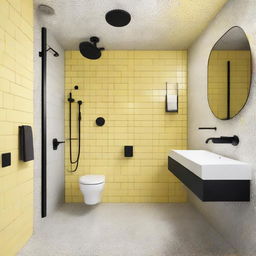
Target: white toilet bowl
x,y
92,186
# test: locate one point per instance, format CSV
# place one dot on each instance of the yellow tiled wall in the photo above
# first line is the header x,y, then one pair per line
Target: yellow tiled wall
x,y
16,108
127,88
240,70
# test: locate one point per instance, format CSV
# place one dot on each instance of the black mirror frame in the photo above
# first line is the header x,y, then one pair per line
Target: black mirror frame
x,y
250,75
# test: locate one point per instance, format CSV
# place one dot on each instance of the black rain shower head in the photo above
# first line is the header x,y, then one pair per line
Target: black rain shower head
x,y
90,50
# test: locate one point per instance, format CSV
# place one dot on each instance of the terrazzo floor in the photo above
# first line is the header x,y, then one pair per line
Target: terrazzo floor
x,y
126,230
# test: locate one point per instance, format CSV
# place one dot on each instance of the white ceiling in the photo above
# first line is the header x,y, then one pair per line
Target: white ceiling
x,y
155,24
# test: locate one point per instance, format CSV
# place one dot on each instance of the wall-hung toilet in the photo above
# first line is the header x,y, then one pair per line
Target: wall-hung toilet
x,y
92,186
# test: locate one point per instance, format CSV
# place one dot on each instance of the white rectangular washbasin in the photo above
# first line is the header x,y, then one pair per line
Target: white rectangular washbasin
x,y
210,166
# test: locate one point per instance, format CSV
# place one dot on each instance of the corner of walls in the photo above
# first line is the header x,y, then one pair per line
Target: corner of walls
x,y
235,221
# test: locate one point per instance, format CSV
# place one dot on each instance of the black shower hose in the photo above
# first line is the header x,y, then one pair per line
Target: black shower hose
x,y
79,138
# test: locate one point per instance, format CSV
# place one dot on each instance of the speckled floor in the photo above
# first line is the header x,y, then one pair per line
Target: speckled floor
x,y
126,230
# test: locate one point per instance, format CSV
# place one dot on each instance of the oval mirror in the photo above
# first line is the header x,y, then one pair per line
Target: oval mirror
x,y
229,74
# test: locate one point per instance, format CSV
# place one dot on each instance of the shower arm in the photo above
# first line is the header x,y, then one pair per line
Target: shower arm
x,y
101,48
94,40
55,53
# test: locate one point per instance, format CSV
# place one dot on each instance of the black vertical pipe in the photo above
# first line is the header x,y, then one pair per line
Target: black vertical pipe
x,y
228,90
43,55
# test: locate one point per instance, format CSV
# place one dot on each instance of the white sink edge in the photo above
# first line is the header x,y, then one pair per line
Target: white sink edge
x,y
206,172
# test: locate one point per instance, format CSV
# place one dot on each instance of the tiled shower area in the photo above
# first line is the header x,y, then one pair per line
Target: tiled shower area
x,y
127,89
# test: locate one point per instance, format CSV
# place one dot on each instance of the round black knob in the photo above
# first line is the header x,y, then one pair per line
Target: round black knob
x,y
100,121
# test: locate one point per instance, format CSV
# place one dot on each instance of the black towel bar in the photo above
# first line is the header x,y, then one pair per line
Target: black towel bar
x,y
207,128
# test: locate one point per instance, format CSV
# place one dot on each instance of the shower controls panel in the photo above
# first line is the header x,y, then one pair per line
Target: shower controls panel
x,y
6,159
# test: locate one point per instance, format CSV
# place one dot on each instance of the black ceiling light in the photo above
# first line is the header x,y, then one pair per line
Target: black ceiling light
x,y
118,18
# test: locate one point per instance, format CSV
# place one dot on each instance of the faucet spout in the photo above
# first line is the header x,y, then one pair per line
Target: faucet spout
x,y
234,140
208,140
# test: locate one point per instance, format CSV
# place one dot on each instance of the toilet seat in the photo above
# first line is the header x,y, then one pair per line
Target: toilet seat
x,y
92,179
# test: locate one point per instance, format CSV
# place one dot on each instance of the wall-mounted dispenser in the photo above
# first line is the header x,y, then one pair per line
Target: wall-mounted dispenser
x,y
128,151
6,159
26,143
171,98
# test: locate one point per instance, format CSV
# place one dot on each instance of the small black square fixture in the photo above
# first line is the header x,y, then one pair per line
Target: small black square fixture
x,y
128,151
6,159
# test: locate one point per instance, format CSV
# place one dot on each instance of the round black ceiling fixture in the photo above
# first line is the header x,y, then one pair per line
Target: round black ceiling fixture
x,y
118,18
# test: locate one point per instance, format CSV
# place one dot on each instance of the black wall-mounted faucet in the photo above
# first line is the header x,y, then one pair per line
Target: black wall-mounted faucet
x,y
225,140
